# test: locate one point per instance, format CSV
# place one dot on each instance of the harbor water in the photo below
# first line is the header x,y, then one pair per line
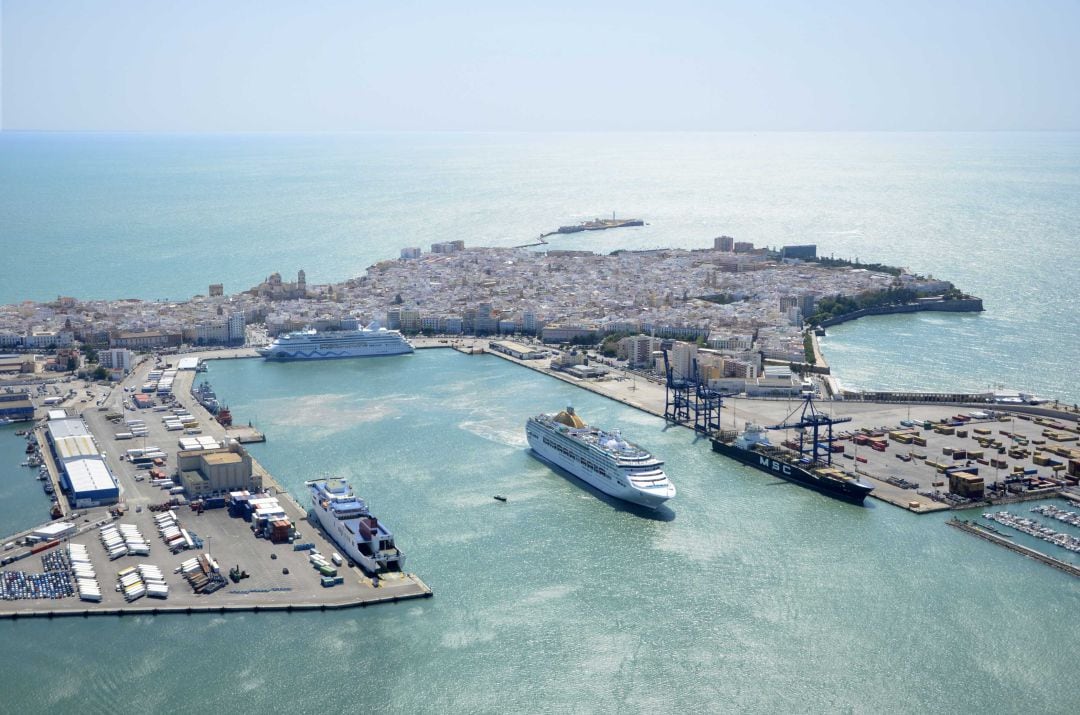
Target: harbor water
x,y
748,594
23,502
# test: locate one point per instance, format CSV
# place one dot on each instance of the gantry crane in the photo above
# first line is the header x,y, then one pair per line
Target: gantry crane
x,y
810,418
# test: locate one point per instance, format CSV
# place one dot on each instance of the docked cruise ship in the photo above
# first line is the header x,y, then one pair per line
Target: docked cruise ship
x,y
601,459
324,345
346,520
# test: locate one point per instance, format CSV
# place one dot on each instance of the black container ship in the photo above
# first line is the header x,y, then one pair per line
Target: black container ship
x,y
810,466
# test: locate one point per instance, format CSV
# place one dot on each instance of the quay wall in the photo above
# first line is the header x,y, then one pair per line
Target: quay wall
x,y
966,305
231,608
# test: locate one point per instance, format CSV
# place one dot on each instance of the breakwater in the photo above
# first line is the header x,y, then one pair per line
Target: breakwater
x,y
977,530
961,305
600,224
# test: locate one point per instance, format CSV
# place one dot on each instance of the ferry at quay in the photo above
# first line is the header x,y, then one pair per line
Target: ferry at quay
x,y
371,341
345,518
601,459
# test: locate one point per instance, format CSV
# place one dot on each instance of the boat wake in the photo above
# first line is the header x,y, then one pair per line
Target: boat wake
x,y
496,432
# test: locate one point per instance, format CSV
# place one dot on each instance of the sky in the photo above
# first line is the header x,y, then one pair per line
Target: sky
x,y
676,65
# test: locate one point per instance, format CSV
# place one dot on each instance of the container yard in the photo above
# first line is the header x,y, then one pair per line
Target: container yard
x,y
964,458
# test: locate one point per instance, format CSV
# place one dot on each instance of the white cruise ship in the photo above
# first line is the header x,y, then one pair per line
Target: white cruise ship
x,y
324,345
602,459
346,520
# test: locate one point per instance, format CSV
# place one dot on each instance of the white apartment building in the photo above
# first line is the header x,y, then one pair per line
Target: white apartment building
x,y
116,359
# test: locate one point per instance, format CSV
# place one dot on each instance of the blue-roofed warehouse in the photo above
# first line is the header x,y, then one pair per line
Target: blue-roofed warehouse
x,y
83,472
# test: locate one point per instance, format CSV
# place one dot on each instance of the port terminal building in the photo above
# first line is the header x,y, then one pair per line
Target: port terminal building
x,y
206,472
83,472
515,350
16,406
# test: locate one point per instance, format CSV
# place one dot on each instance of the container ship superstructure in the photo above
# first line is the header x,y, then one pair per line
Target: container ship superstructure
x,y
809,464
603,460
346,520
371,341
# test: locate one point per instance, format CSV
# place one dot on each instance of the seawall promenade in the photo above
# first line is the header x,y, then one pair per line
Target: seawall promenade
x,y
964,305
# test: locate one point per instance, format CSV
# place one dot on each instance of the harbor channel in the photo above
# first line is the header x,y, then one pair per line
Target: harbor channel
x,y
905,474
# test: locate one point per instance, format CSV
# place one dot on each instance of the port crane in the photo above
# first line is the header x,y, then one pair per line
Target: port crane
x,y
691,400
810,417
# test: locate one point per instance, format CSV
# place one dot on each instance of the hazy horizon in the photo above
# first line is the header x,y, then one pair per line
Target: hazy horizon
x,y
333,67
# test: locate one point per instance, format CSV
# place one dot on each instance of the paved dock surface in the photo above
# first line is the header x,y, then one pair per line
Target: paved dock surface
x,y
229,540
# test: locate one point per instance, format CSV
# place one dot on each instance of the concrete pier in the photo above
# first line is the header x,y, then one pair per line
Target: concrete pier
x,y
280,579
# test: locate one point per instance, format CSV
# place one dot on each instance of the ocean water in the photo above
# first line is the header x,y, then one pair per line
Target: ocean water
x,y
746,595
162,216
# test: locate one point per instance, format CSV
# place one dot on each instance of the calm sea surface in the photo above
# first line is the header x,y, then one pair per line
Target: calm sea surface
x,y
746,595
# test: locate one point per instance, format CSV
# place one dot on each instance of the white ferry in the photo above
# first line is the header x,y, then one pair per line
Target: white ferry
x,y
601,459
346,520
324,345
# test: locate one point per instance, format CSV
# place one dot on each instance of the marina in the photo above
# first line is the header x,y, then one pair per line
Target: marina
x,y
1032,527
994,537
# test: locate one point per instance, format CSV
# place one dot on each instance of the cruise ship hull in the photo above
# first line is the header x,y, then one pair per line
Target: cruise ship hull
x,y
851,492
611,483
283,356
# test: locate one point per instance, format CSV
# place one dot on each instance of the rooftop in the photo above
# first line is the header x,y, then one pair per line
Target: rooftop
x,y
223,458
